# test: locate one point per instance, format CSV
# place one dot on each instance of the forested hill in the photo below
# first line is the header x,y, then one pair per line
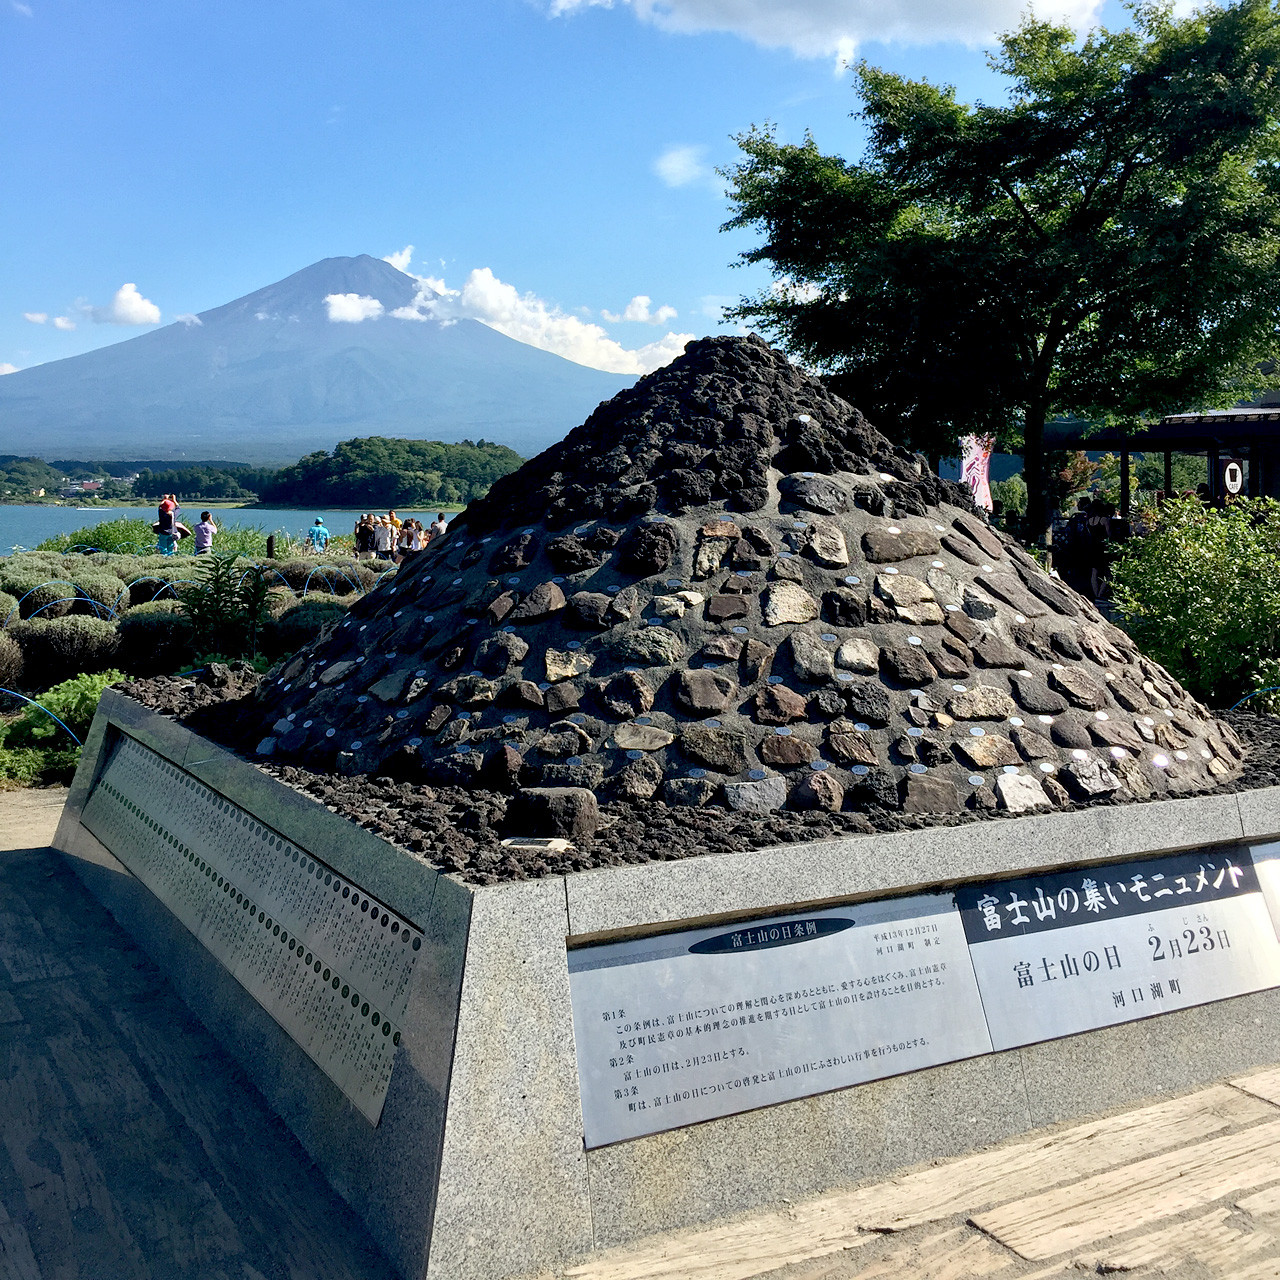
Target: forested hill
x,y
378,473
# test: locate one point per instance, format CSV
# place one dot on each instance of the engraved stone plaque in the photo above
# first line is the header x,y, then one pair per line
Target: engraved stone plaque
x,y
683,1027
1063,953
328,962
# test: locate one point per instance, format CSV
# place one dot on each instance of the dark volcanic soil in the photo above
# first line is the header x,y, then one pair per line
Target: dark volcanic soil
x,y
459,830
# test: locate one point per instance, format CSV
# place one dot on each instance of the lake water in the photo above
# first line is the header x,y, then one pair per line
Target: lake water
x,y
25,527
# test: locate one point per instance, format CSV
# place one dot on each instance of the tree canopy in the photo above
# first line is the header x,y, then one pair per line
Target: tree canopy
x,y
378,473
1104,245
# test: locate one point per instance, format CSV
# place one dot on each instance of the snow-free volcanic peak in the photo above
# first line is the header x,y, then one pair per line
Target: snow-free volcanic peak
x,y
726,587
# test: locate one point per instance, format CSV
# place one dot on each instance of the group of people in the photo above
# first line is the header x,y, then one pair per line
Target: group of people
x,y
390,538
376,537
170,530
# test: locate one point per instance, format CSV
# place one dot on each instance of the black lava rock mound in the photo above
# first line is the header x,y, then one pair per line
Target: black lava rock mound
x,y
727,588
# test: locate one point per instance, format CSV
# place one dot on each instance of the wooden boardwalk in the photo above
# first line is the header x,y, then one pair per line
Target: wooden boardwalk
x,y
131,1146
1188,1188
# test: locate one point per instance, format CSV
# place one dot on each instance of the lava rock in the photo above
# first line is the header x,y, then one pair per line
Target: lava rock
x,y
843,607
720,749
776,704
882,547
570,813
810,657
704,692
818,791
544,600
787,602
627,694
649,549
756,797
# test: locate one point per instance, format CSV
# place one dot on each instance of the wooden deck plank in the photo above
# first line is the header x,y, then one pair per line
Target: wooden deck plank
x,y
71,1219
970,1183
1218,1240
17,1261
171,1209
958,1253
313,1234
1040,1227
737,1251
1262,1084
1262,1203
841,1220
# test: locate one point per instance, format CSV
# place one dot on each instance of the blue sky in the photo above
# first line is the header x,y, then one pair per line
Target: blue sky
x,y
548,160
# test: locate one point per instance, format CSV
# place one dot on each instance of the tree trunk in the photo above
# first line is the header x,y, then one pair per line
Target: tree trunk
x,y
1033,469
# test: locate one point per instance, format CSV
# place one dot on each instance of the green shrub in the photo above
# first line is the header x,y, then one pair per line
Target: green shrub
x,y
10,661
343,579
161,581
36,766
45,596
152,607
126,535
73,701
8,604
155,639
102,594
1200,593
56,649
300,625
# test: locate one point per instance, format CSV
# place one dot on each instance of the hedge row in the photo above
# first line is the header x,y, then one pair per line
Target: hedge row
x,y
150,639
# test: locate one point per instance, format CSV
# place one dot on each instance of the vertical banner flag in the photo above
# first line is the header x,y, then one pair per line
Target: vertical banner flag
x,y
975,468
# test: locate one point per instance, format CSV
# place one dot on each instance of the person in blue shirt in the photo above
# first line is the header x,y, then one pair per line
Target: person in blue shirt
x,y
318,535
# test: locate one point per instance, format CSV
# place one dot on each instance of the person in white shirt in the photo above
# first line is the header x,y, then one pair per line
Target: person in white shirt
x,y
439,527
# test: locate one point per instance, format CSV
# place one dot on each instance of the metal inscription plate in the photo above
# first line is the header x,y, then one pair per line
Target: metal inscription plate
x,y
1266,862
331,965
683,1027
1063,953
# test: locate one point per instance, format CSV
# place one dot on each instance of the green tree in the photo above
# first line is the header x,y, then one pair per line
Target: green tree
x,y
1201,594
1104,245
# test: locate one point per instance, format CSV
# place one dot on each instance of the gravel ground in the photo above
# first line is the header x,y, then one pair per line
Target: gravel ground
x,y
460,830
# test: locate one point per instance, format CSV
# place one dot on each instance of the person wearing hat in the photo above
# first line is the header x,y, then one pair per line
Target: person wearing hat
x,y
318,536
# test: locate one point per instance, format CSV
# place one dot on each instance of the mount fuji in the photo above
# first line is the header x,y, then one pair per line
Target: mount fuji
x,y
271,376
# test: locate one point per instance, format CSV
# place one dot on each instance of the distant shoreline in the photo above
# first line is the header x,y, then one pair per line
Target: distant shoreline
x,y
215,505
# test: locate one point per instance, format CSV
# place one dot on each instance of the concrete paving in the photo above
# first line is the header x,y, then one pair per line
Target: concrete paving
x,y
131,1146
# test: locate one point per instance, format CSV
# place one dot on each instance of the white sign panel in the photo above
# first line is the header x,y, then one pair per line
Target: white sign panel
x,y
1064,953
329,963
684,1027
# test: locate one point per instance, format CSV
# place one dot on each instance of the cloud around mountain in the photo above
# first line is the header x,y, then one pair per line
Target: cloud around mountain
x,y
530,319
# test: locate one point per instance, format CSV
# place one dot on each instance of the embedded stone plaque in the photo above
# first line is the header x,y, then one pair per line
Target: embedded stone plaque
x,y
1057,954
683,1027
328,962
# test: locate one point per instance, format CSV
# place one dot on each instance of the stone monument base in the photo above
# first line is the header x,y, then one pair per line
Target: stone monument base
x,y
444,1104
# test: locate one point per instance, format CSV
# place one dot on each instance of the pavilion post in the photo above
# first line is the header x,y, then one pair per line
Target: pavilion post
x,y
1168,473
1124,489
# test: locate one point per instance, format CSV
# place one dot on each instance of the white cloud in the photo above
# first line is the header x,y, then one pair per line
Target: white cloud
x,y
637,311
835,28
6,367
188,319
128,307
35,317
25,11
528,318
400,259
65,323
683,165
352,308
